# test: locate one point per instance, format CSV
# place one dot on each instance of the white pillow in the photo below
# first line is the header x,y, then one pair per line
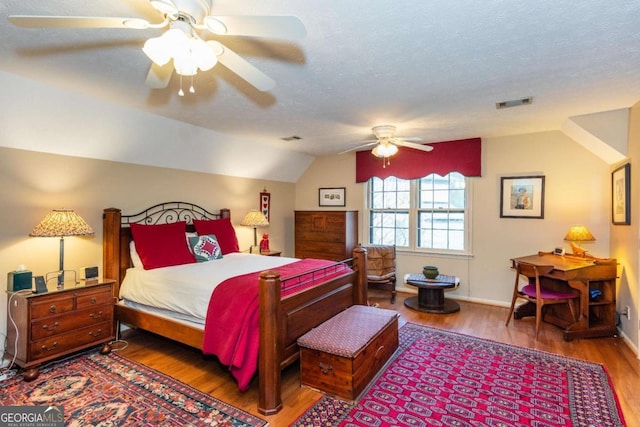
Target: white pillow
x,y
135,258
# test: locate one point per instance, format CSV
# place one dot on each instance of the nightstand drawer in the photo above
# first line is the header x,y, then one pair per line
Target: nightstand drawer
x,y
91,299
50,306
79,338
55,325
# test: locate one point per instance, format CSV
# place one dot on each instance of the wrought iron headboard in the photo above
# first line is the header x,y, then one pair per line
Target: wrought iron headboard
x,y
169,212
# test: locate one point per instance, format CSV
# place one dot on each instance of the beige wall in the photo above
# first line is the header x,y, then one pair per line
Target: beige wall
x,y
624,239
577,192
31,184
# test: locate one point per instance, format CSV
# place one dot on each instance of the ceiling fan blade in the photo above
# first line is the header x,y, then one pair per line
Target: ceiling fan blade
x,y
159,76
410,138
27,21
359,147
408,144
283,27
242,67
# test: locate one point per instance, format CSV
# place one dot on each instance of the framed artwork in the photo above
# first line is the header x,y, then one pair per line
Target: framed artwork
x,y
265,203
332,196
522,197
620,195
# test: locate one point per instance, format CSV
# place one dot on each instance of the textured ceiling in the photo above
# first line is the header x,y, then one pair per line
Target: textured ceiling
x,y
434,68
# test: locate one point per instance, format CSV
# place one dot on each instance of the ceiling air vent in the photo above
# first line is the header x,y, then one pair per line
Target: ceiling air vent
x,y
291,138
514,103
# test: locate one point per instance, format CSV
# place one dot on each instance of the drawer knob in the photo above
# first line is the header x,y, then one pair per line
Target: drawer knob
x,y
53,347
325,368
97,315
50,328
96,334
52,309
93,300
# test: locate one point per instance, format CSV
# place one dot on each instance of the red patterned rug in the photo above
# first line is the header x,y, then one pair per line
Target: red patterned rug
x,y
111,390
441,378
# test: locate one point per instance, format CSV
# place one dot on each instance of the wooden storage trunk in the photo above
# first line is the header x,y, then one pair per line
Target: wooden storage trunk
x,y
342,355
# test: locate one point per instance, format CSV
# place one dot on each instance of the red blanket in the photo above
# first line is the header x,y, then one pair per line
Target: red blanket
x,y
231,330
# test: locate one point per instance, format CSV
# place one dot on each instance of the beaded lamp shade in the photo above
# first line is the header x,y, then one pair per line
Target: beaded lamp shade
x,y
61,223
255,218
579,233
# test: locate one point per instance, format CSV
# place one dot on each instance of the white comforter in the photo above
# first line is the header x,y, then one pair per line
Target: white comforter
x,y
186,289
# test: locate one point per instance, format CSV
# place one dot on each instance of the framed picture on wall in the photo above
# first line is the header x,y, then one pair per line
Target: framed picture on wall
x,y
522,197
265,203
620,195
332,196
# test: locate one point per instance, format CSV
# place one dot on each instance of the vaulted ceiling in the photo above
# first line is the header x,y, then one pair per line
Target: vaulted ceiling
x,y
433,68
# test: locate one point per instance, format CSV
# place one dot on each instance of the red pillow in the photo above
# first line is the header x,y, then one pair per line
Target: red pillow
x,y
224,231
162,245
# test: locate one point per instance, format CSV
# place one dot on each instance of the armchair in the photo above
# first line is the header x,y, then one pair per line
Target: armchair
x,y
381,268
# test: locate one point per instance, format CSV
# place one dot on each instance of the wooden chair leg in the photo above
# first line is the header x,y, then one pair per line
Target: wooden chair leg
x,y
538,317
572,310
513,304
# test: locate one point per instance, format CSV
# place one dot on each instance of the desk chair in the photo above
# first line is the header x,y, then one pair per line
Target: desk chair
x,y
534,293
381,268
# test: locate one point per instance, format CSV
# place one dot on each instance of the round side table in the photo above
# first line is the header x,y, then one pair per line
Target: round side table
x,y
430,298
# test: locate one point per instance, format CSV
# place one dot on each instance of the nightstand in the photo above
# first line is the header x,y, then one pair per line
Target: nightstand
x,y
59,322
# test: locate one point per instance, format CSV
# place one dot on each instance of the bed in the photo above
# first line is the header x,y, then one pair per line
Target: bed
x,y
288,306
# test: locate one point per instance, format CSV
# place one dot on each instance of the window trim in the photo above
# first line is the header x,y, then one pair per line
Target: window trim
x,y
413,222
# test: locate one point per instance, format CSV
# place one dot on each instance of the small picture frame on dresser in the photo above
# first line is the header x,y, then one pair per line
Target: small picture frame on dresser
x,y
332,196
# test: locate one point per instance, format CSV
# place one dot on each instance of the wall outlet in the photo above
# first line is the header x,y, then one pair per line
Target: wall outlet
x,y
626,312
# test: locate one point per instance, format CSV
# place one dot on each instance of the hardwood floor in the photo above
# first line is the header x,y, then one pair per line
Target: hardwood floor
x,y
190,366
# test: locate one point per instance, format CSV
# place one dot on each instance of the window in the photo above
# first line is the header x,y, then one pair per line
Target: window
x,y
429,213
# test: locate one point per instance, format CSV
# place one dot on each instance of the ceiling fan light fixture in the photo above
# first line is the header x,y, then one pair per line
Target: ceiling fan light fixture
x,y
155,48
384,150
215,25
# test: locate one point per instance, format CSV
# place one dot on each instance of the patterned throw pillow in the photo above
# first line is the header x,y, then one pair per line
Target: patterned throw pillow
x,y
205,248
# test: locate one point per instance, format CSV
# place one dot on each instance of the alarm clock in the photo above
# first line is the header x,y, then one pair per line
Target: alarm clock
x,y
89,273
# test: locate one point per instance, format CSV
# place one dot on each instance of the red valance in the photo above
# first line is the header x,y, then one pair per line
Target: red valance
x,y
463,156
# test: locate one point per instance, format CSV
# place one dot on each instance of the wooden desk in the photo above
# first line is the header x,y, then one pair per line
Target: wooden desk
x,y
597,318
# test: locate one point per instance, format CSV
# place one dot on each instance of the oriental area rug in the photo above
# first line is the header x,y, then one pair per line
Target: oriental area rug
x,y
111,390
441,378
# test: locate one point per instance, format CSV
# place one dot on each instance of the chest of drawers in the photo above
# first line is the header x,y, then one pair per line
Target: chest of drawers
x,y
328,235
57,323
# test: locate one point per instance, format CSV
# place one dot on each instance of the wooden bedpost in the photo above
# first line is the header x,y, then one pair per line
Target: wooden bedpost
x,y
111,246
360,264
270,356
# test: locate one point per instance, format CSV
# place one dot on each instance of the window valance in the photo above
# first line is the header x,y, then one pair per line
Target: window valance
x,y
463,156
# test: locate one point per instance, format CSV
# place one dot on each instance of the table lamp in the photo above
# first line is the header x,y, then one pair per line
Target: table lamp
x,y
61,223
578,233
255,219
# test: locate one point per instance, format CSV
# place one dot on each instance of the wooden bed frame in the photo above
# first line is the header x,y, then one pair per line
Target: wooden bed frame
x,y
282,321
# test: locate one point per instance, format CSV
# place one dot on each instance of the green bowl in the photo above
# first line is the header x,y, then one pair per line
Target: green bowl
x,y
430,271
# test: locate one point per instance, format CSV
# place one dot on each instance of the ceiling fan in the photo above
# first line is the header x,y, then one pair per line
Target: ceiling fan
x,y
386,143
182,48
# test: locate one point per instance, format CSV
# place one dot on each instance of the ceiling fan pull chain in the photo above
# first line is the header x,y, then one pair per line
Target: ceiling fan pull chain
x,y
181,92
192,89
